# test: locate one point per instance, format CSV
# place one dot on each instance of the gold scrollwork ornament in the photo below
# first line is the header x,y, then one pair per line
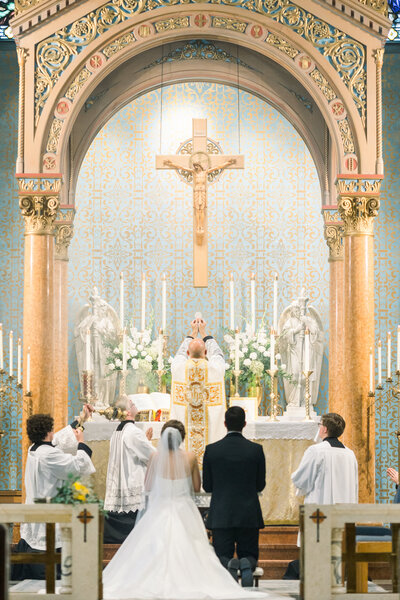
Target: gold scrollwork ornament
x,y
39,213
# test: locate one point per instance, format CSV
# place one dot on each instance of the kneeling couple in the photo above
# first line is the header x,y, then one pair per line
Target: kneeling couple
x,y
167,555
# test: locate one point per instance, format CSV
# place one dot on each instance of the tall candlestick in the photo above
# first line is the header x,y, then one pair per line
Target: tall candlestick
x,y
398,349
1,348
11,352
121,299
253,302
275,314
389,355
163,302
160,362
143,319
231,302
124,356
306,351
87,348
371,371
237,349
272,349
380,363
28,371
19,360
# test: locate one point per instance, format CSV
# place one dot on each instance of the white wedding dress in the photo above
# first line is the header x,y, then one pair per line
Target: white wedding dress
x,y
167,556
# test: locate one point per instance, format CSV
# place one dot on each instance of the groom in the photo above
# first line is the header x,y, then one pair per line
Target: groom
x,y
234,473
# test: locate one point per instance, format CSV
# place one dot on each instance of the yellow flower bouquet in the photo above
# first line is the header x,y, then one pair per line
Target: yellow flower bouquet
x,y
72,491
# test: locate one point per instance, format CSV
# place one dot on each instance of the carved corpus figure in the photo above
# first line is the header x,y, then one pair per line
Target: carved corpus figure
x,y
293,323
102,321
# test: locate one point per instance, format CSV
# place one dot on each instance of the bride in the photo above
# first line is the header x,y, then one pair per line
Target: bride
x,y
167,556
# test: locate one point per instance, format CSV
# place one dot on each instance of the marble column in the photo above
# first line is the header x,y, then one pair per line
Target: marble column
x,y
38,201
334,239
358,204
63,236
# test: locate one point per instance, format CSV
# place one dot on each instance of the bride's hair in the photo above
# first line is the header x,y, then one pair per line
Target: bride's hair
x,y
176,425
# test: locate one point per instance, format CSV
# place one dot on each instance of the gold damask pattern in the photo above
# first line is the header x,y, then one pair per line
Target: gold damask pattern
x,y
282,45
228,23
119,44
54,135
78,83
173,23
344,53
323,84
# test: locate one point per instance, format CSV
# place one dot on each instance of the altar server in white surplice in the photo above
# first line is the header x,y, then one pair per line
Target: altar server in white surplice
x,y
198,389
328,471
47,467
130,452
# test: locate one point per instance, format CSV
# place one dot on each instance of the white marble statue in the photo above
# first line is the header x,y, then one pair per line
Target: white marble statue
x,y
292,325
102,321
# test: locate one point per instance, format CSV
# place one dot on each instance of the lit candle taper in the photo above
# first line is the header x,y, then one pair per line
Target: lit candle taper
x,y
28,371
121,299
160,361
1,348
163,302
124,356
389,355
237,350
19,361
306,351
87,348
275,314
379,363
231,302
11,338
253,302
371,371
272,350
143,319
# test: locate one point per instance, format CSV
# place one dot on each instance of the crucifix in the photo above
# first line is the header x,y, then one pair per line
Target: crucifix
x,y
199,165
317,517
84,517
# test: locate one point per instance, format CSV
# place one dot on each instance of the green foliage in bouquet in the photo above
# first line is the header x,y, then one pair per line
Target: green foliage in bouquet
x,y
72,491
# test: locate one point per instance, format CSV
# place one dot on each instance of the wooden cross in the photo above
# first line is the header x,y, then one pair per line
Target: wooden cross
x,y
84,517
199,164
317,517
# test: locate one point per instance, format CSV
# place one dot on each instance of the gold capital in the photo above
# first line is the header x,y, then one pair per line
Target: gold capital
x,y
334,239
39,212
378,56
358,213
63,236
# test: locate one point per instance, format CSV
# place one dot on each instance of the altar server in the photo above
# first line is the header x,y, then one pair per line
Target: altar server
x,y
47,466
328,471
198,389
130,452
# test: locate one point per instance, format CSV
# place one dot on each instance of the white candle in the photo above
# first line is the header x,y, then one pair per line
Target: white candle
x,y
275,315
28,371
121,299
398,349
163,302
253,302
371,371
272,350
19,360
237,349
143,319
306,351
124,351
11,352
160,362
379,363
231,302
389,355
87,348
1,348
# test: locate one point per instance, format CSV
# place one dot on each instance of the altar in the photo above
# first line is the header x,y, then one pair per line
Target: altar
x,y
284,444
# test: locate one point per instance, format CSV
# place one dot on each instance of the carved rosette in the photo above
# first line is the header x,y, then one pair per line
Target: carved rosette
x,y
39,212
63,236
334,239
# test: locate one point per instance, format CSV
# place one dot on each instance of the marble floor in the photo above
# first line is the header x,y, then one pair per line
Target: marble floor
x,y
277,589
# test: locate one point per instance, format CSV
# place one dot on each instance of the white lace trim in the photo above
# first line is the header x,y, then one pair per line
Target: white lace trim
x,y
124,500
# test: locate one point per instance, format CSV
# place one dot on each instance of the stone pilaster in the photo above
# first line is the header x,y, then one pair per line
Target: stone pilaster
x,y
358,204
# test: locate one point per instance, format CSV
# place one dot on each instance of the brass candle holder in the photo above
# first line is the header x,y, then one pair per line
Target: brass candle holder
x,y
237,375
307,396
274,393
88,394
161,385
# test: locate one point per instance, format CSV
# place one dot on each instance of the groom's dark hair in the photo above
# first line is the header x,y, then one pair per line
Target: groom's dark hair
x,y
235,418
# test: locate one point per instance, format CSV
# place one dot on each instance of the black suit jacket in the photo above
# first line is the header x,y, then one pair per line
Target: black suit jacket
x,y
234,473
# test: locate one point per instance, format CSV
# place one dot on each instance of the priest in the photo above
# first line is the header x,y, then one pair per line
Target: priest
x,y
48,464
130,452
198,388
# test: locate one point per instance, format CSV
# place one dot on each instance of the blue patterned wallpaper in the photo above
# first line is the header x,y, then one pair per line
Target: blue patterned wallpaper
x,y
117,227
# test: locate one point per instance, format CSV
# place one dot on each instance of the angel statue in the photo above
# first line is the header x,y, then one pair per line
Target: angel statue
x,y
102,321
292,325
